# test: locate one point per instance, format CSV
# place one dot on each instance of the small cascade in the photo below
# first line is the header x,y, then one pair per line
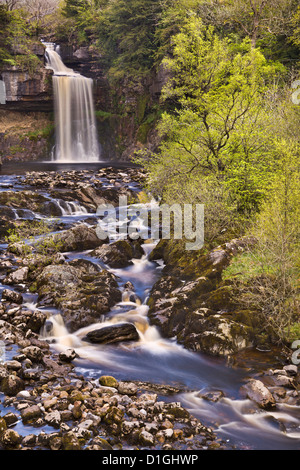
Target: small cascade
x,y
76,132
71,208
56,331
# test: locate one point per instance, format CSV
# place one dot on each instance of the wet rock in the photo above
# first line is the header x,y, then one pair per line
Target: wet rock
x,y
10,419
146,438
34,353
113,334
31,413
78,238
12,296
17,277
10,439
127,388
36,321
80,289
67,356
196,306
211,395
108,381
53,418
101,444
29,440
291,369
256,391
70,441
12,385
13,365
3,425
119,254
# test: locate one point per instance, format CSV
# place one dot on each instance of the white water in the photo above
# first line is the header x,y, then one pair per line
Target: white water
x,y
76,132
153,358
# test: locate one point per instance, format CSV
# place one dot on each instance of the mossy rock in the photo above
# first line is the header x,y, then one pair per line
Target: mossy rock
x,y
70,442
108,381
3,425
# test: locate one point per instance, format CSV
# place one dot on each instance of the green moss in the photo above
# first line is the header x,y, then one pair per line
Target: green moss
x,y
39,134
108,381
141,106
16,149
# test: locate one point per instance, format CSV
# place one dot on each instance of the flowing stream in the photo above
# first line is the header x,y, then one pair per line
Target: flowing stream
x,y
162,361
76,131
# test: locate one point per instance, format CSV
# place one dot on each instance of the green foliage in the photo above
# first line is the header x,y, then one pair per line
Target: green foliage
x,y
44,133
29,62
217,129
34,234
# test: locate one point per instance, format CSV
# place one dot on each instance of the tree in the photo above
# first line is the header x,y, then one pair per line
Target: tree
x,y
256,18
275,291
217,126
127,34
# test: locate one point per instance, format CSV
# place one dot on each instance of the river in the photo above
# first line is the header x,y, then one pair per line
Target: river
x,y
162,361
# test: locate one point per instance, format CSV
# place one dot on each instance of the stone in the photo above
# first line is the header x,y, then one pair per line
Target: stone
x,y
127,388
118,254
10,439
29,440
68,355
146,438
31,413
256,391
10,418
291,369
12,385
17,277
53,418
12,296
13,365
78,238
108,381
80,289
77,410
70,441
113,334
34,353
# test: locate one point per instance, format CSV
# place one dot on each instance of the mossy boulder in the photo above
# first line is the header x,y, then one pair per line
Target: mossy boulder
x,y
108,381
12,385
120,253
197,307
80,289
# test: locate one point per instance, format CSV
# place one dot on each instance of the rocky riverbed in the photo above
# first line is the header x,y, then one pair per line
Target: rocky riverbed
x,y
53,265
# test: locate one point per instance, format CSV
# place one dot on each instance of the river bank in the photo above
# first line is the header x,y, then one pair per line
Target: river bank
x,y
84,365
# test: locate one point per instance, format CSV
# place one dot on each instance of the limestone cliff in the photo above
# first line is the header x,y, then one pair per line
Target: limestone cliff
x,y
126,113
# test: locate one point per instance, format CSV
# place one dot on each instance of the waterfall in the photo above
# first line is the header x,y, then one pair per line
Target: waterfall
x,y
76,134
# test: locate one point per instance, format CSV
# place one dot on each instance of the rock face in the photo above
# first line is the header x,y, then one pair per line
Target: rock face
x,y
80,289
113,334
203,311
29,92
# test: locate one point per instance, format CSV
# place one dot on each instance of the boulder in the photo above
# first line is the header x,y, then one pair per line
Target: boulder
x,y
80,289
18,276
119,254
78,238
10,439
12,385
256,391
113,334
31,413
67,356
12,296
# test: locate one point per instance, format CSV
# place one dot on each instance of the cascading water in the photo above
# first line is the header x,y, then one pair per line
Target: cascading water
x,y
76,134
